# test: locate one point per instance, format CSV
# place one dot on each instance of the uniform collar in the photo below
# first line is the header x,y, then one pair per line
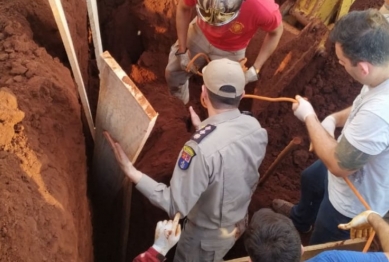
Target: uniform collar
x,y
222,117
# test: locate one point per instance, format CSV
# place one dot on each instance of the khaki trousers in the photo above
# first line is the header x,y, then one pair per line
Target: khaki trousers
x,y
206,245
196,43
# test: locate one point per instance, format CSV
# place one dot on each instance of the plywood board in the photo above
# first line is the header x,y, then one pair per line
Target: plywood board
x,y
350,244
311,251
126,114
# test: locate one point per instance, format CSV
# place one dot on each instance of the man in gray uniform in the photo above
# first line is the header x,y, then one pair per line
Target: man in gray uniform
x,y
216,171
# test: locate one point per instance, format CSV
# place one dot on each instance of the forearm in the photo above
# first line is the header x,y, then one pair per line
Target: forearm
x,y
158,194
268,46
382,230
324,145
341,116
183,18
385,8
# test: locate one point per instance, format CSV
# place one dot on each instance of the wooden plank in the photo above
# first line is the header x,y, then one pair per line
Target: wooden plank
x,y
311,251
60,19
356,244
125,113
95,27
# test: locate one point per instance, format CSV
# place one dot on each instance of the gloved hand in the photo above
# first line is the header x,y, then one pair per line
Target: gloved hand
x,y
302,109
329,124
167,234
184,60
358,222
251,75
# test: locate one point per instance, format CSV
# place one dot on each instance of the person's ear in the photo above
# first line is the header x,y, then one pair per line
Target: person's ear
x,y
204,92
364,68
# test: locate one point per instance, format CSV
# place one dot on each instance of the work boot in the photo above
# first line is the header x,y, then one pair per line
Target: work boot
x,y
182,92
285,208
281,206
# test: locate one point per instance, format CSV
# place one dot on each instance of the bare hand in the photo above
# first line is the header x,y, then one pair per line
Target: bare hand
x,y
121,157
195,118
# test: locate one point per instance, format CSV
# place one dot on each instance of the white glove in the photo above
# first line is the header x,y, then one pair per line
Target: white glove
x,y
166,236
184,60
329,124
360,221
251,75
302,109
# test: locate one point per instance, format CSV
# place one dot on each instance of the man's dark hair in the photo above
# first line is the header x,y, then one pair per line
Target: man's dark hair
x,y
363,36
221,102
271,237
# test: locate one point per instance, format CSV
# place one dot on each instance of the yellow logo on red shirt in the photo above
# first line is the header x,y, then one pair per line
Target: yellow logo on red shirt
x,y
236,27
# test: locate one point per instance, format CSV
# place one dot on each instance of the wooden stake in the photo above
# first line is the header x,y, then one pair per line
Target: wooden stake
x,y
60,19
95,27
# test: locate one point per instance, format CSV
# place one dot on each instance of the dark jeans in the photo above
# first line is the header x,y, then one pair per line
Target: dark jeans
x,y
315,207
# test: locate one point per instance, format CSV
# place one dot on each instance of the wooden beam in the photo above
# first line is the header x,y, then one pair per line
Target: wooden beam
x,y
356,244
311,251
126,114
95,27
60,19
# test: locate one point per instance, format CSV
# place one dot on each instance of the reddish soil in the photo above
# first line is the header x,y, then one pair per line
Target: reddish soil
x,y
44,210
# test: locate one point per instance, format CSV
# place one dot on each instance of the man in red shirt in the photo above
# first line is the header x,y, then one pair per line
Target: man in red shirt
x,y
221,29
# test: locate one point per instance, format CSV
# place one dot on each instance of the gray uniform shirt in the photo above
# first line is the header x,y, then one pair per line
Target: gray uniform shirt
x,y
216,172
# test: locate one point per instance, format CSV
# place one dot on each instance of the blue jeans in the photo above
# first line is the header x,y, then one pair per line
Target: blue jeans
x,y
315,207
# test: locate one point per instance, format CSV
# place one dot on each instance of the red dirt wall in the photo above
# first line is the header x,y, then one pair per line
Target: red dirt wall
x,y
44,210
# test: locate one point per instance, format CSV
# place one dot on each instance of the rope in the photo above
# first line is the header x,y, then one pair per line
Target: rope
x,y
191,63
269,99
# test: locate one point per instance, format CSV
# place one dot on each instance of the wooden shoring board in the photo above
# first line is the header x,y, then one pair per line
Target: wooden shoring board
x,y
356,244
95,27
60,19
311,251
125,113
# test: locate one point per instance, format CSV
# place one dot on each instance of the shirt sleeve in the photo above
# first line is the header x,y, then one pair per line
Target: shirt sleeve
x,y
190,179
151,255
349,256
271,18
368,133
190,2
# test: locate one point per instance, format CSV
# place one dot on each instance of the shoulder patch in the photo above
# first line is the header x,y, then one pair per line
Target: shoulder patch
x,y
203,132
186,157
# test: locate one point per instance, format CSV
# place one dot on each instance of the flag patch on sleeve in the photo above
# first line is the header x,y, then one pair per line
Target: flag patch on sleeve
x,y
186,157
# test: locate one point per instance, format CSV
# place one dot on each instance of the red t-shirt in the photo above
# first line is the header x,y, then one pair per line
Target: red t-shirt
x,y
254,14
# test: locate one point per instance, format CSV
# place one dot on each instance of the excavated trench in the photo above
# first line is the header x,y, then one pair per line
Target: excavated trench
x,y
45,209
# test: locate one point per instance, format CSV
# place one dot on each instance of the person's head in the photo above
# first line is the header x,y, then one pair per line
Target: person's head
x,y
272,237
362,44
218,12
224,83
